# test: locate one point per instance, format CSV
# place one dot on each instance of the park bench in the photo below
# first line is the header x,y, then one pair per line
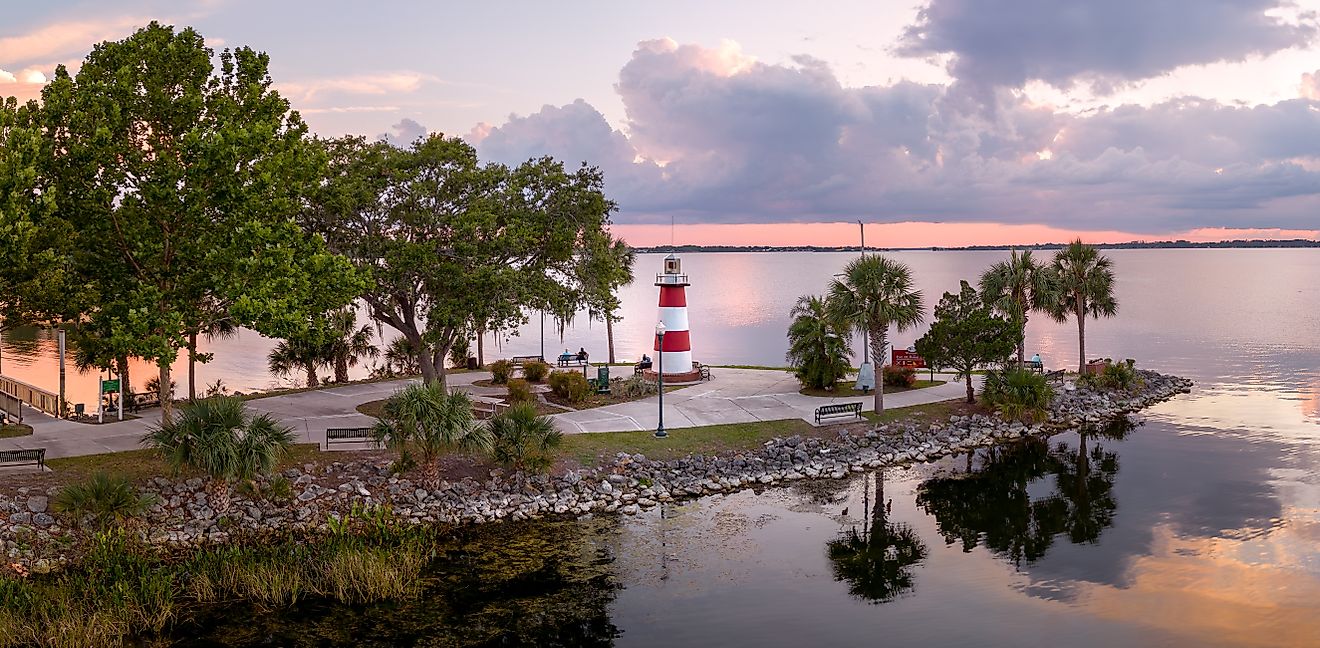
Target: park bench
x,y
31,457
519,361
704,370
572,361
838,410
1054,376
1034,365
348,435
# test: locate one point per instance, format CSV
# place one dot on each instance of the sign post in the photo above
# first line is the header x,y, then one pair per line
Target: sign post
x,y
108,386
907,358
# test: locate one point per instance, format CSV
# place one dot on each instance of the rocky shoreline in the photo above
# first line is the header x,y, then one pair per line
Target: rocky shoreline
x,y
185,515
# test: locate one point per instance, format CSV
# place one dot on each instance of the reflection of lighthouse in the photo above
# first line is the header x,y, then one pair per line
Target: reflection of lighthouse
x,y
676,357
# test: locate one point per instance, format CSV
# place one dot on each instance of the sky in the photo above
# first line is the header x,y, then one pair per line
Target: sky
x,y
935,122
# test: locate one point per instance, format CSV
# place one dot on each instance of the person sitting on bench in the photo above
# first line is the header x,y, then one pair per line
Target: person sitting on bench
x,y
1036,358
582,354
645,363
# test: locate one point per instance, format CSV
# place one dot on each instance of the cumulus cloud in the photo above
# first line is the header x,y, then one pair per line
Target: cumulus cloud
x,y
358,84
715,136
1310,88
1009,42
404,133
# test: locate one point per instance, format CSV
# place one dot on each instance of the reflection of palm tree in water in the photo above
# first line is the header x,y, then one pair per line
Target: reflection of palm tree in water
x,y
993,507
877,562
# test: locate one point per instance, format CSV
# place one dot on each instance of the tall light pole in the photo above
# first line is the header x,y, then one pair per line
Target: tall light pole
x,y
660,377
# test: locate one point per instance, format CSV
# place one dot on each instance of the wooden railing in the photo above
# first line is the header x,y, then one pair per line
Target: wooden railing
x,y
38,398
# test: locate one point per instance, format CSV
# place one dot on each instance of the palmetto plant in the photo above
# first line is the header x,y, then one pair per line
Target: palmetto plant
x,y
875,293
426,421
401,357
1085,289
817,345
522,439
104,500
349,344
1016,287
219,437
1019,394
297,355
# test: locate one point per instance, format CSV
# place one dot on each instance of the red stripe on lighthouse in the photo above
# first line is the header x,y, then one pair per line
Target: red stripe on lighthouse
x,y
675,341
672,296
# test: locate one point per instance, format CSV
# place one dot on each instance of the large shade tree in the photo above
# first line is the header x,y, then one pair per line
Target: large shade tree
x,y
1016,287
873,294
966,335
175,185
1085,289
455,246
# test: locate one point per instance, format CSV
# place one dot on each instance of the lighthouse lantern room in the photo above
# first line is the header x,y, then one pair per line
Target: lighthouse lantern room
x,y
676,356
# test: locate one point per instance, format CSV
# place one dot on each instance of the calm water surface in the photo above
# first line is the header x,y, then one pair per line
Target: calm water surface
x,y
1197,525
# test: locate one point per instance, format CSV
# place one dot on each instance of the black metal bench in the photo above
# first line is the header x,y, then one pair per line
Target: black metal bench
x,y
32,457
1033,365
1055,376
572,361
704,370
349,435
838,410
519,361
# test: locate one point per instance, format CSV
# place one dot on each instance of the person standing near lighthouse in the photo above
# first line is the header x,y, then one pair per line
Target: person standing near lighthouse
x,y
676,356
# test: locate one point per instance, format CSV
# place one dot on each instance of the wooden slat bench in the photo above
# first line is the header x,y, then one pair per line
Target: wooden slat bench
x,y
31,457
1055,376
519,361
838,410
349,435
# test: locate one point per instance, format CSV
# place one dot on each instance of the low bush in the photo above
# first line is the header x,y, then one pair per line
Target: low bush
x,y
102,501
1018,394
501,371
460,352
524,440
633,387
1121,376
570,385
520,391
899,376
535,371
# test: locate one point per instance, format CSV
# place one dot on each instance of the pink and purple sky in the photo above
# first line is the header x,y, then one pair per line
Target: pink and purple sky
x,y
937,122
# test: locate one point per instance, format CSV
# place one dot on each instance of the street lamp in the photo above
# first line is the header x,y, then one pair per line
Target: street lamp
x,y
660,377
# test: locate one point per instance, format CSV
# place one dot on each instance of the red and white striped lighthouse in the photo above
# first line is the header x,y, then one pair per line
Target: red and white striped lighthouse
x,y
676,356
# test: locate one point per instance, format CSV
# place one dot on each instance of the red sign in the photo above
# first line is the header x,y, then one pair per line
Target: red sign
x,y
904,358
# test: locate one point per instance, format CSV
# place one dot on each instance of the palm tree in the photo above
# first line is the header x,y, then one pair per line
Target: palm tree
x,y
219,437
294,355
877,562
430,421
522,439
349,344
874,294
817,345
1016,287
401,357
1085,289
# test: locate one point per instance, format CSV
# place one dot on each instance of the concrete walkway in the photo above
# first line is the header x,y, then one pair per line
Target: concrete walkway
x,y
737,396
734,396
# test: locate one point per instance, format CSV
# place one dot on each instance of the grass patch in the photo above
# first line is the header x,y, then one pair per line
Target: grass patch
x,y
137,465
587,449
15,430
844,389
365,381
929,413
757,367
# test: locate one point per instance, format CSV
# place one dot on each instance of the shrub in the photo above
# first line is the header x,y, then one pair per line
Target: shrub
x,y
520,391
523,440
535,371
570,385
460,352
1121,376
899,376
633,387
103,500
1019,394
501,371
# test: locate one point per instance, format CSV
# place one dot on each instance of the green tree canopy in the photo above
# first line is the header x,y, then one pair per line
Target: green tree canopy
x,y
966,334
875,293
1085,289
1016,287
175,185
817,345
455,246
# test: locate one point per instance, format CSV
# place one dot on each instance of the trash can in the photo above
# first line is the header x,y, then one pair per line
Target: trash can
x,y
603,379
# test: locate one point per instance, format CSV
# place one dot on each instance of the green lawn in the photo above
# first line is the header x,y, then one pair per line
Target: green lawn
x,y
15,430
144,464
844,389
588,448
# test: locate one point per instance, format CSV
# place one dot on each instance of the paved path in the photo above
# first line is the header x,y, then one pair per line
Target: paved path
x,y
734,396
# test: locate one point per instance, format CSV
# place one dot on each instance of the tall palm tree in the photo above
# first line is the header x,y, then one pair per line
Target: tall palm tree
x,y
1016,287
523,439
877,563
294,355
219,437
1085,289
348,344
874,294
428,420
817,345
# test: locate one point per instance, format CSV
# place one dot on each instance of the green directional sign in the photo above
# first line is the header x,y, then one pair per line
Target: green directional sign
x,y
110,386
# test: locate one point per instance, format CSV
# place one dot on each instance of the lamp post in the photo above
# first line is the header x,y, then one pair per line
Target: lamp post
x,y
660,377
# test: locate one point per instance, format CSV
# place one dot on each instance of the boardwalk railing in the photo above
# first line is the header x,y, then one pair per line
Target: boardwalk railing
x,y
38,398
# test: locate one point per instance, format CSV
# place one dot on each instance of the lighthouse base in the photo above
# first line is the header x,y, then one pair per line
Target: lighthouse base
x,y
685,378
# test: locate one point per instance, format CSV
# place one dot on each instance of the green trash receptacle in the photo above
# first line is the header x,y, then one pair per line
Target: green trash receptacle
x,y
603,380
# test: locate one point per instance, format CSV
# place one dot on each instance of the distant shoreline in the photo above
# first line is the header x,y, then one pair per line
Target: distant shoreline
x,y
1131,245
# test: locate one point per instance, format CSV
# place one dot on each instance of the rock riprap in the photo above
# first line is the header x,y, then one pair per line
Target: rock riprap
x,y
630,484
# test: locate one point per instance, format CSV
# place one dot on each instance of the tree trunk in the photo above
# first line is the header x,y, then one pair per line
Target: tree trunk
x,y
220,496
439,374
1081,337
971,394
192,366
165,394
312,380
609,333
1022,344
481,347
341,368
879,339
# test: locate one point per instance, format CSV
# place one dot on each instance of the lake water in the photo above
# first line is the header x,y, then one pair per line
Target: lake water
x,y
1200,525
